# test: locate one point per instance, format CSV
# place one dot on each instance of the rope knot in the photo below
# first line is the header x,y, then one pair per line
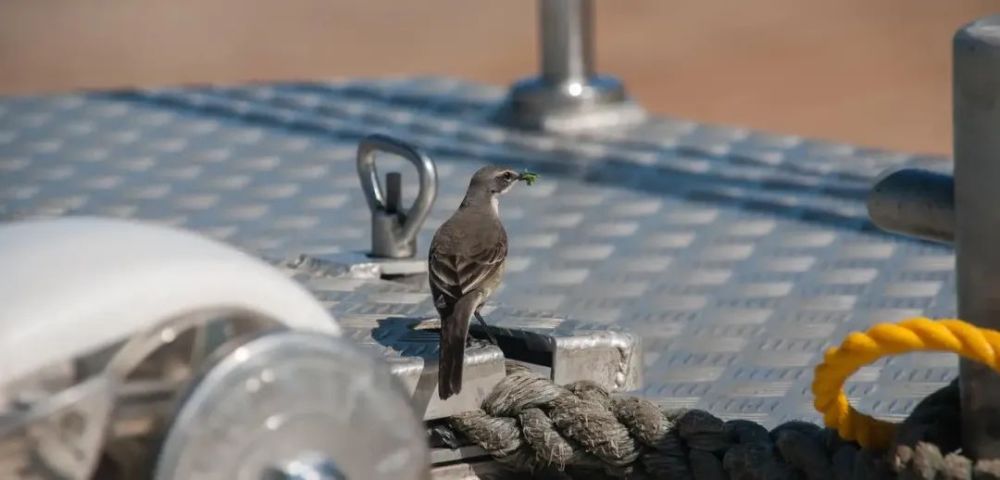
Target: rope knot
x,y
532,425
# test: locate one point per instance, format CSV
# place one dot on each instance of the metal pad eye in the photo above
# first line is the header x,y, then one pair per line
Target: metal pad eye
x,y
394,233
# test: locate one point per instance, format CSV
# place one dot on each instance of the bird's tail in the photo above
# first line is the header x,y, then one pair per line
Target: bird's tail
x,y
451,359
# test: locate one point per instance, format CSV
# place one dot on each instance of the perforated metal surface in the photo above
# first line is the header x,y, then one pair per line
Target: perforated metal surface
x,y
737,256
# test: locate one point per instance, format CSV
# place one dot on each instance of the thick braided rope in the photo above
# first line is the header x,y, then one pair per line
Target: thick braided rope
x,y
532,425
859,349
580,431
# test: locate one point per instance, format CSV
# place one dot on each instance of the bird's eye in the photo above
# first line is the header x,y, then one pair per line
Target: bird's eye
x,y
508,175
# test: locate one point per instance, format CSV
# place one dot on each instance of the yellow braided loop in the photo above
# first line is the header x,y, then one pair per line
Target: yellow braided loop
x,y
859,349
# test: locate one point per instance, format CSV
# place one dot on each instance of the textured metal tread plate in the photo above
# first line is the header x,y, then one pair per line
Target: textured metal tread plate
x,y
737,256
398,322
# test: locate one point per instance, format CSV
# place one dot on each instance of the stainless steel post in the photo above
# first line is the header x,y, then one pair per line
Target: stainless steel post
x,y
566,41
567,96
976,90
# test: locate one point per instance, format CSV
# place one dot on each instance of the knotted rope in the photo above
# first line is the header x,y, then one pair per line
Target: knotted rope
x,y
580,431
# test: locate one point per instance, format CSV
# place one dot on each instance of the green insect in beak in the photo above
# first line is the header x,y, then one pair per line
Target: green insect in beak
x,y
529,177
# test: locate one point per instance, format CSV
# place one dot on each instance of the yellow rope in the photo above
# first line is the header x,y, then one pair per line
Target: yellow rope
x,y
859,349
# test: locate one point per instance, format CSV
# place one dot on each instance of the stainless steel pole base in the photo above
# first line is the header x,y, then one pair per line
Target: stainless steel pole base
x,y
567,96
598,103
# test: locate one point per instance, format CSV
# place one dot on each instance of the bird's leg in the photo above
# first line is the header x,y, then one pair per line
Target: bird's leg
x,y
482,322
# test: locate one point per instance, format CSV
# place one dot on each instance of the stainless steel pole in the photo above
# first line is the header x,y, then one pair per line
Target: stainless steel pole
x,y
566,35
976,90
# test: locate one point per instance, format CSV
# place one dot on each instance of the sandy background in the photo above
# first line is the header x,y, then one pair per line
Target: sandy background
x,y
874,73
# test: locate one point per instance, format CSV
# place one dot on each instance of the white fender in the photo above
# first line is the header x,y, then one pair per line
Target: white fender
x,y
71,285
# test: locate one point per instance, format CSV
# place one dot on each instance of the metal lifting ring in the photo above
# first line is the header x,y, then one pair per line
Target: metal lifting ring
x,y
394,233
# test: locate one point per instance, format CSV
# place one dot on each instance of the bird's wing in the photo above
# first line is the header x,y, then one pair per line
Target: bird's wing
x,y
458,274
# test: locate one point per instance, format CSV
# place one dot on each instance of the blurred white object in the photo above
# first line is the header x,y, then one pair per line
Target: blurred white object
x,y
72,285
115,335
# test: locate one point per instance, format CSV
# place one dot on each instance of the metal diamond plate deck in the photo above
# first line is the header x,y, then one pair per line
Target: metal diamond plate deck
x,y
737,256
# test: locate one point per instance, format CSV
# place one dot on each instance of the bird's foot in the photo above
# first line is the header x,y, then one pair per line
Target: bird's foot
x,y
486,328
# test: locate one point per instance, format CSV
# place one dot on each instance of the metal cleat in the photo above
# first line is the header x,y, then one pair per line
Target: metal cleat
x,y
610,357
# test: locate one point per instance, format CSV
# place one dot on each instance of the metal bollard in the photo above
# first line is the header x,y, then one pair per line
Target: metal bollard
x,y
915,202
976,90
567,96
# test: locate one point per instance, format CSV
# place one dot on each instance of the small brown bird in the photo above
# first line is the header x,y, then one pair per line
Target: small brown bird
x,y
466,265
